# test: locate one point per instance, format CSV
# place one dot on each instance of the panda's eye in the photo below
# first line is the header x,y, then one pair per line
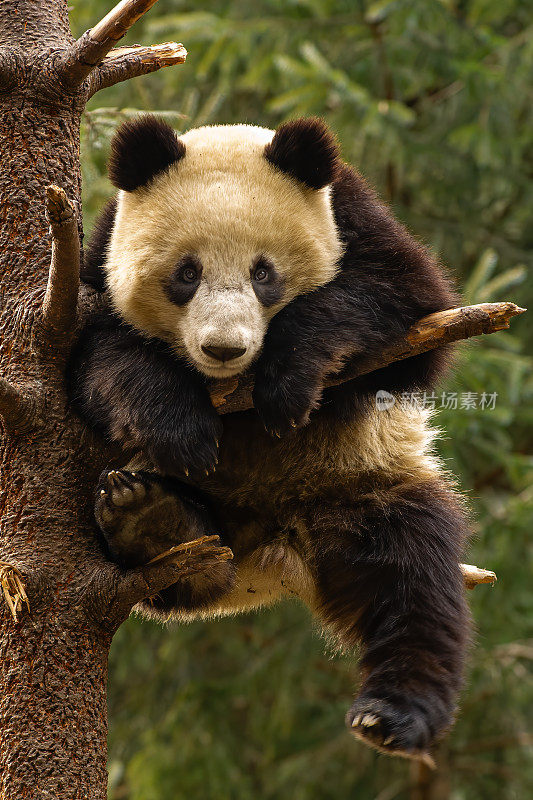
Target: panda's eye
x,y
261,274
189,274
184,281
262,270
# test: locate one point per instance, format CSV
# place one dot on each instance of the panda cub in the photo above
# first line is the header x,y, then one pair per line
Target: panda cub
x,y
234,248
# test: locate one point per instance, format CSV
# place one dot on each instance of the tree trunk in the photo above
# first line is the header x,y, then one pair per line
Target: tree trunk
x,y
53,662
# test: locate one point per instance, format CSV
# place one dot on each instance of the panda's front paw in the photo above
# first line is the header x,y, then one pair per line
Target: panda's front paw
x,y
189,445
284,399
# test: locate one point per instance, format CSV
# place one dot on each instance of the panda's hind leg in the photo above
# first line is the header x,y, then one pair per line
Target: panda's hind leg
x,y
142,515
388,579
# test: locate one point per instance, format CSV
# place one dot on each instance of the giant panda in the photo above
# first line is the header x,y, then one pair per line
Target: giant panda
x,y
234,248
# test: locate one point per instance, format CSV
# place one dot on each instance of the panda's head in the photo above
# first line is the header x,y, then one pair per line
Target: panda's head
x,y
218,230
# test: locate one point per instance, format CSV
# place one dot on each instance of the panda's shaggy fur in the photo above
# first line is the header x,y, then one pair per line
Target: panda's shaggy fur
x,y
236,248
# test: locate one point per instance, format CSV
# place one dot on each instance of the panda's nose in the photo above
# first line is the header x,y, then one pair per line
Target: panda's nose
x,y
223,353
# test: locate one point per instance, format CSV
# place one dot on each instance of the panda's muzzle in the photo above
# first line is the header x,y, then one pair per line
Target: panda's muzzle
x,y
223,353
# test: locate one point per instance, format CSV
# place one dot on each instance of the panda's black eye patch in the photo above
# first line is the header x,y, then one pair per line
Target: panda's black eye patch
x,y
184,281
267,283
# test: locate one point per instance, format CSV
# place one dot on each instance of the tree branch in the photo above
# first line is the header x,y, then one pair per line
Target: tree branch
x,y
179,562
432,331
61,297
92,47
123,63
435,330
175,564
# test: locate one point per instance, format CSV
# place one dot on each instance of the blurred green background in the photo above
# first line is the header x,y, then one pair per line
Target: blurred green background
x,y
433,102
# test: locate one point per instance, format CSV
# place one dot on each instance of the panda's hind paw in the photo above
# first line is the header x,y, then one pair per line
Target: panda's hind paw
x,y
118,492
124,511
393,728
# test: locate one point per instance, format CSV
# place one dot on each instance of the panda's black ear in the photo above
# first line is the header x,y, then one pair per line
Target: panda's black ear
x,y
140,150
307,150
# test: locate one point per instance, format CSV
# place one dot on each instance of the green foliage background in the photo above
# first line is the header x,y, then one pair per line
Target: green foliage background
x,y
433,101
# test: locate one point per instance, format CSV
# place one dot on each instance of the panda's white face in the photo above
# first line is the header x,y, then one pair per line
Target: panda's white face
x,y
208,252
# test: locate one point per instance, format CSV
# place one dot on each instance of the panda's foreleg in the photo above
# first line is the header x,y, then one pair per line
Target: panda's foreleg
x,y
388,578
137,393
143,514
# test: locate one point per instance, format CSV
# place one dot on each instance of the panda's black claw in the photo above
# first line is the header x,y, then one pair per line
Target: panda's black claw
x,y
124,510
142,515
189,450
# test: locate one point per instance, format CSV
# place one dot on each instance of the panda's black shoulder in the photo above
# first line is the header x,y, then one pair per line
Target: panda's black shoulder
x,y
382,252
364,221
95,252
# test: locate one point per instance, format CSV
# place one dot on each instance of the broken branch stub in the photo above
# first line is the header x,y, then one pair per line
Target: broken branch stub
x,y
61,297
123,63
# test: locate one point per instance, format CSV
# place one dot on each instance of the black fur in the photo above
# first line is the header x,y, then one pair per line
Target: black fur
x,y
305,149
140,150
137,392
388,577
94,255
178,289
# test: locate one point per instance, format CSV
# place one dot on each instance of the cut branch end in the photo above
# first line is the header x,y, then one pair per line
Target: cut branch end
x,y
175,564
123,63
161,55
12,584
18,411
473,576
435,330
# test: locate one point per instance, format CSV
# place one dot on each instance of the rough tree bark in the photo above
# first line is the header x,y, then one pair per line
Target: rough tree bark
x,y
54,643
